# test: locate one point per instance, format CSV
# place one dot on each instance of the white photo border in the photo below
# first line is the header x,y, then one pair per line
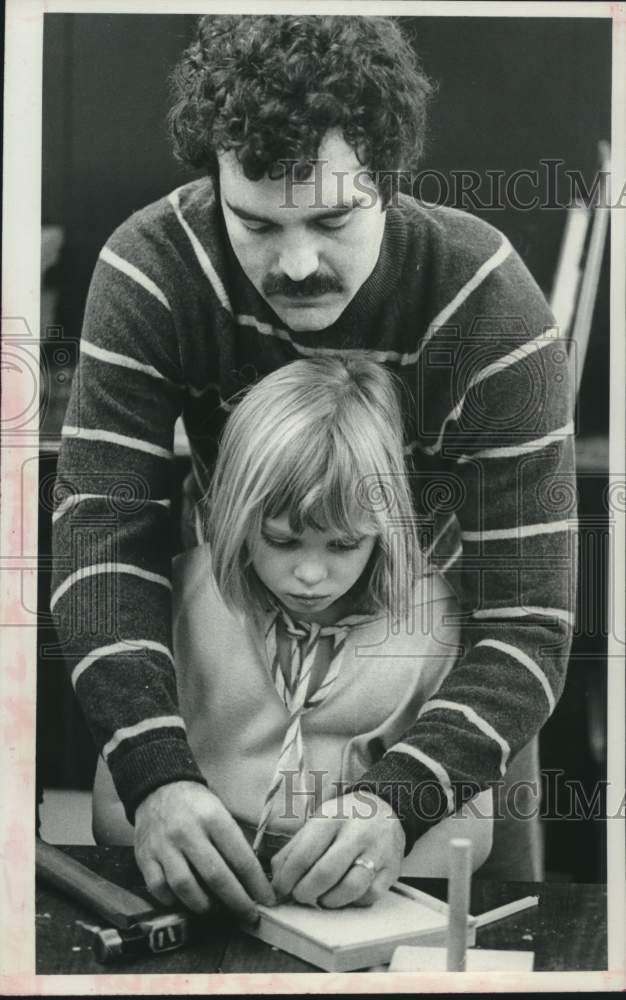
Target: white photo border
x,y
19,518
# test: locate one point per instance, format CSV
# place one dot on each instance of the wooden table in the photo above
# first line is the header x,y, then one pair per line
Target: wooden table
x,y
567,930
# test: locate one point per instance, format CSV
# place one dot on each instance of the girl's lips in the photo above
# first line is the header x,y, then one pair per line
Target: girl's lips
x,y
309,597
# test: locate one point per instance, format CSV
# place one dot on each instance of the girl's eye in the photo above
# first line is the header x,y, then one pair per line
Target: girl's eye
x,y
256,227
282,543
345,546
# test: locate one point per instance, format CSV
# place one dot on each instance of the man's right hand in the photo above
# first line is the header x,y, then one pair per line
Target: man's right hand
x,y
188,846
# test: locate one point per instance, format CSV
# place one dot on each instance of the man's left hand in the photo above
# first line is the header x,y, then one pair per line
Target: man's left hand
x,y
318,867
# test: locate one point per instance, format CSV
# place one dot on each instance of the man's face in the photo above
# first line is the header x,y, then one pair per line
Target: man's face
x,y
308,246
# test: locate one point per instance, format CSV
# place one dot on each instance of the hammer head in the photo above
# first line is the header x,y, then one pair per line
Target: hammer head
x,y
156,934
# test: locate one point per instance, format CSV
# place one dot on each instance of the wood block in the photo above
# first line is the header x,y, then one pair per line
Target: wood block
x,y
355,937
429,959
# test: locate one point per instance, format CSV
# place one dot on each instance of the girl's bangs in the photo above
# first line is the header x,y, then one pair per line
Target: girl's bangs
x,y
322,490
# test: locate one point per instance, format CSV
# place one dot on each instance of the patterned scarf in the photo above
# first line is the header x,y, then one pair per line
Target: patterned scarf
x,y
294,691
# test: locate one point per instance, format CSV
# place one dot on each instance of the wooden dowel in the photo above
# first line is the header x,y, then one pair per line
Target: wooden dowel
x,y
507,910
459,879
568,269
420,897
589,283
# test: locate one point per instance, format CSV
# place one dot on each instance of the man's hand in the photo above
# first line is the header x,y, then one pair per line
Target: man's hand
x,y
317,865
187,845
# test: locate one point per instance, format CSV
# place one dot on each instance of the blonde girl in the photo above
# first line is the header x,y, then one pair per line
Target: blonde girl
x,y
307,634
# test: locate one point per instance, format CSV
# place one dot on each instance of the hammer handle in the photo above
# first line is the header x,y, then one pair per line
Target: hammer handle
x,y
114,904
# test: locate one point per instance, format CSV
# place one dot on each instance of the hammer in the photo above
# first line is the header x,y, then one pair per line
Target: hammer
x,y
137,927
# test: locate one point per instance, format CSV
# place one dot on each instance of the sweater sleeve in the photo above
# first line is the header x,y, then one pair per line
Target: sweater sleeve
x,y
504,434
111,584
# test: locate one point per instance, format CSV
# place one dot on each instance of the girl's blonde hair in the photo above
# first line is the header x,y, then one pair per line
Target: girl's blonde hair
x,y
320,439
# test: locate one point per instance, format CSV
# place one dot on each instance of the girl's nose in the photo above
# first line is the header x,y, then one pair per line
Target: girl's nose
x,y
310,572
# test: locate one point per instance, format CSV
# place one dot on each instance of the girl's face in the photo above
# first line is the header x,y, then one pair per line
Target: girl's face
x,y
310,573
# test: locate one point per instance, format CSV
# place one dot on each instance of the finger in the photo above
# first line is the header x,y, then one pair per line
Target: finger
x,y
356,889
279,858
183,883
241,859
156,883
328,871
310,842
216,877
378,888
364,901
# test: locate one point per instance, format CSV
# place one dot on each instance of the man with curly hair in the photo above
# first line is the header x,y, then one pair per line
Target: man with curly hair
x,y
294,243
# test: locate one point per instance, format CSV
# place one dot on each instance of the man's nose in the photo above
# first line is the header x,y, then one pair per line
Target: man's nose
x,y
310,571
298,258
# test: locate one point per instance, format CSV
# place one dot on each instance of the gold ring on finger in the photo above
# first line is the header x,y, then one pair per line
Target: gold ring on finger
x,y
367,863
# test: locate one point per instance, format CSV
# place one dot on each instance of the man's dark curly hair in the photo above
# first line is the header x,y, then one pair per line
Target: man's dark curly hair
x,y
270,86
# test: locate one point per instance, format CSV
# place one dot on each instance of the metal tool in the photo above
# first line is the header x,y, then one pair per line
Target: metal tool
x,y
138,927
157,934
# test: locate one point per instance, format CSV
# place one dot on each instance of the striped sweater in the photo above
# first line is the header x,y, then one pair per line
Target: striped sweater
x,y
173,326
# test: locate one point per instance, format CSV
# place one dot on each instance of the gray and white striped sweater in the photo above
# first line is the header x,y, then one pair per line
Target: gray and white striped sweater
x,y
173,326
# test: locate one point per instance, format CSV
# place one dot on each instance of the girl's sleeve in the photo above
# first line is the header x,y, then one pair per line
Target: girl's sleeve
x,y
111,586
505,434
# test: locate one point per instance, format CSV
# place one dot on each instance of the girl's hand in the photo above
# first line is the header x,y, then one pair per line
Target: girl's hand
x,y
317,865
187,845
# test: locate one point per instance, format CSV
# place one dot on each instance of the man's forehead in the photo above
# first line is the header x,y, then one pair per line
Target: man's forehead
x,y
337,180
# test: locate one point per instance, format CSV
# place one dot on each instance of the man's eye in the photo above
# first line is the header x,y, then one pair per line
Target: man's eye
x,y
334,222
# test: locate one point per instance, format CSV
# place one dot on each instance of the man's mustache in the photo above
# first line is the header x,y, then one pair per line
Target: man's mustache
x,y
310,287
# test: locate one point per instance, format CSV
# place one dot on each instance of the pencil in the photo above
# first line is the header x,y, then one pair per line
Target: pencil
x,y
459,878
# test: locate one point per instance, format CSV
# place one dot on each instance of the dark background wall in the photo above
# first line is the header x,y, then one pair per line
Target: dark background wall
x,y
511,91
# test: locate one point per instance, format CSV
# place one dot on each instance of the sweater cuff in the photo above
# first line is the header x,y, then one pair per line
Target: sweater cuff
x,y
150,765
418,799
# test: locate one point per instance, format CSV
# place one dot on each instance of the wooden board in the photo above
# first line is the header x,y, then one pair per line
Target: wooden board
x,y
420,959
355,937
